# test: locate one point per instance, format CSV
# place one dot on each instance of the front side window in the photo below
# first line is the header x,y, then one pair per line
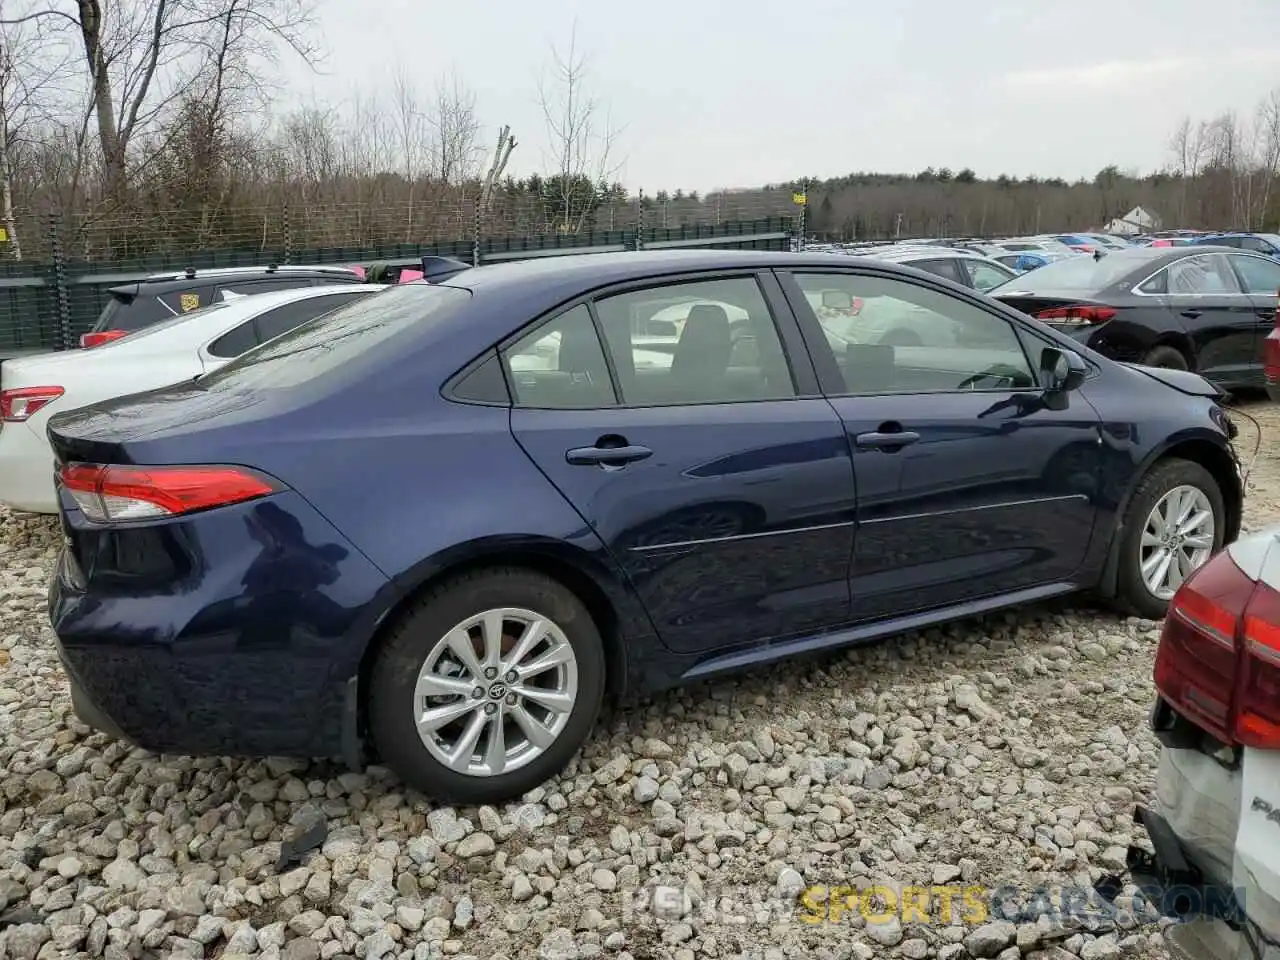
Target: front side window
x,y
908,339
1258,275
560,365
986,276
710,341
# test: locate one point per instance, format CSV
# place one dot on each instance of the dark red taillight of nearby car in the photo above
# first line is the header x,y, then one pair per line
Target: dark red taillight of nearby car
x,y
1218,663
21,403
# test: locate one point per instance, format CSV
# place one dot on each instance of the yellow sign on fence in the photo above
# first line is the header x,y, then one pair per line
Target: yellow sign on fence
x,y
4,235
799,199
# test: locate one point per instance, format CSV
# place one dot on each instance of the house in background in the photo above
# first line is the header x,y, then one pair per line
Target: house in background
x,y
1134,222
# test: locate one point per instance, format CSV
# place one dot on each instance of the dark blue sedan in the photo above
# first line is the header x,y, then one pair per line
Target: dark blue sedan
x,y
436,527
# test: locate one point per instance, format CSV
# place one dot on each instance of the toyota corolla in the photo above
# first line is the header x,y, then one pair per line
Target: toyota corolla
x,y
411,531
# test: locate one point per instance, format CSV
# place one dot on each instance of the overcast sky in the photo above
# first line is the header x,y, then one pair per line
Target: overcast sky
x,y
713,93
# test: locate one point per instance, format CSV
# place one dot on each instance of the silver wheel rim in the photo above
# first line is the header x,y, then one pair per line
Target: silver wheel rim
x,y
1177,538
495,692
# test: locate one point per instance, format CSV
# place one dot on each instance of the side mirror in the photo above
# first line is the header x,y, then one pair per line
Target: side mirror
x,y
1062,370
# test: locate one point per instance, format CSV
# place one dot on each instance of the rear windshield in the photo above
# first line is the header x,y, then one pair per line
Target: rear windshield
x,y
1078,275
337,338
131,313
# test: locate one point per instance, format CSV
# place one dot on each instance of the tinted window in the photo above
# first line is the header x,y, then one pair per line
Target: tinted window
x,y
726,347
235,341
132,314
271,324
901,338
560,364
943,267
483,383
1203,275
1255,244
250,287
1257,274
1020,246
1084,275
339,338
986,276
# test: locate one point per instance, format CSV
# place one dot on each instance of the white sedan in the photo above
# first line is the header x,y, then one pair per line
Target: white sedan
x,y
34,388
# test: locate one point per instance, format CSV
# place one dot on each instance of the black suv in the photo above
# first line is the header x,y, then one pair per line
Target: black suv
x,y
163,295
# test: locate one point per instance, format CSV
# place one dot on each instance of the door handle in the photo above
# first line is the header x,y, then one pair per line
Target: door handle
x,y
606,456
1191,314
881,440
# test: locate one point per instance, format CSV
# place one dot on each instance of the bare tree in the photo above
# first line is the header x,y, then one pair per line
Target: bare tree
x,y
413,133
140,57
501,156
453,118
580,137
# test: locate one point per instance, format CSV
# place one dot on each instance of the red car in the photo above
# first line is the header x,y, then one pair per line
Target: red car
x,y
1271,356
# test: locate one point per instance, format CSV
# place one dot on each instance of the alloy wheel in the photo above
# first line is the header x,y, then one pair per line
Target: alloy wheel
x,y
1176,539
495,692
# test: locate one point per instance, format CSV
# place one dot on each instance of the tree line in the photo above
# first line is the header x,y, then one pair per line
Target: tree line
x,y
128,126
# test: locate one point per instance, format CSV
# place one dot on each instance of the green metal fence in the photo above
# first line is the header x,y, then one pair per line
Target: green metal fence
x,y
47,305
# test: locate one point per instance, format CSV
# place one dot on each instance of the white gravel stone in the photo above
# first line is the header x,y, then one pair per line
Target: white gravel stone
x,y
1003,751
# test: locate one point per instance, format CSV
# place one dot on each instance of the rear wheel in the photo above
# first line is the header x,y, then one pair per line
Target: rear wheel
x,y
487,687
1170,358
1174,523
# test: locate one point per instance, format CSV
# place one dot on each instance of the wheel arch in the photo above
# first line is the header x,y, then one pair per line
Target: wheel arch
x,y
1199,448
603,594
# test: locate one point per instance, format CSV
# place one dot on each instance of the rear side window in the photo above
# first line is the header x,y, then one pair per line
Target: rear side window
x,y
560,365
235,341
281,320
340,338
944,267
1200,276
132,313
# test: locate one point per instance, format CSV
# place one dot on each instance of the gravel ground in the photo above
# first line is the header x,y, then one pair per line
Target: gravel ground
x,y
1002,752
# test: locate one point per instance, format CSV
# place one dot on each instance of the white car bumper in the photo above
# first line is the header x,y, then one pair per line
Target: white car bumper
x,y
26,468
1228,824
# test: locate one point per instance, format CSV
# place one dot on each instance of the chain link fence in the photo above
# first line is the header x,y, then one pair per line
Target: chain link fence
x,y
57,290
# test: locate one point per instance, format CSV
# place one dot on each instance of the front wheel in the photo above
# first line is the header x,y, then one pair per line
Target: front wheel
x,y
1174,523
487,687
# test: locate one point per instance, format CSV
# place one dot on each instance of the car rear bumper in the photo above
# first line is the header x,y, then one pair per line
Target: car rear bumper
x,y
238,631
1216,839
26,470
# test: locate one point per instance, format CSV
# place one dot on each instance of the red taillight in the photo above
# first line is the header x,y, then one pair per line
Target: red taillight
x,y
115,493
1271,356
1218,663
99,338
21,403
1085,314
1258,689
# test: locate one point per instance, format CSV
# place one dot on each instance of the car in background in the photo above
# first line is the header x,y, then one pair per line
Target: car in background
x,y
1034,245
1107,241
1205,309
953,263
162,296
1267,243
1029,259
1077,242
1271,357
34,389
452,556
1213,825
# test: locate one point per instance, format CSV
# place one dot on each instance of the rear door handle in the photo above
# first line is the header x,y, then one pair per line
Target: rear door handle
x,y
878,440
1191,314
606,456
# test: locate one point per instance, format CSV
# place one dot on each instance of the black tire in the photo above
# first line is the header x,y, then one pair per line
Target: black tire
x,y
393,677
1170,358
1133,595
